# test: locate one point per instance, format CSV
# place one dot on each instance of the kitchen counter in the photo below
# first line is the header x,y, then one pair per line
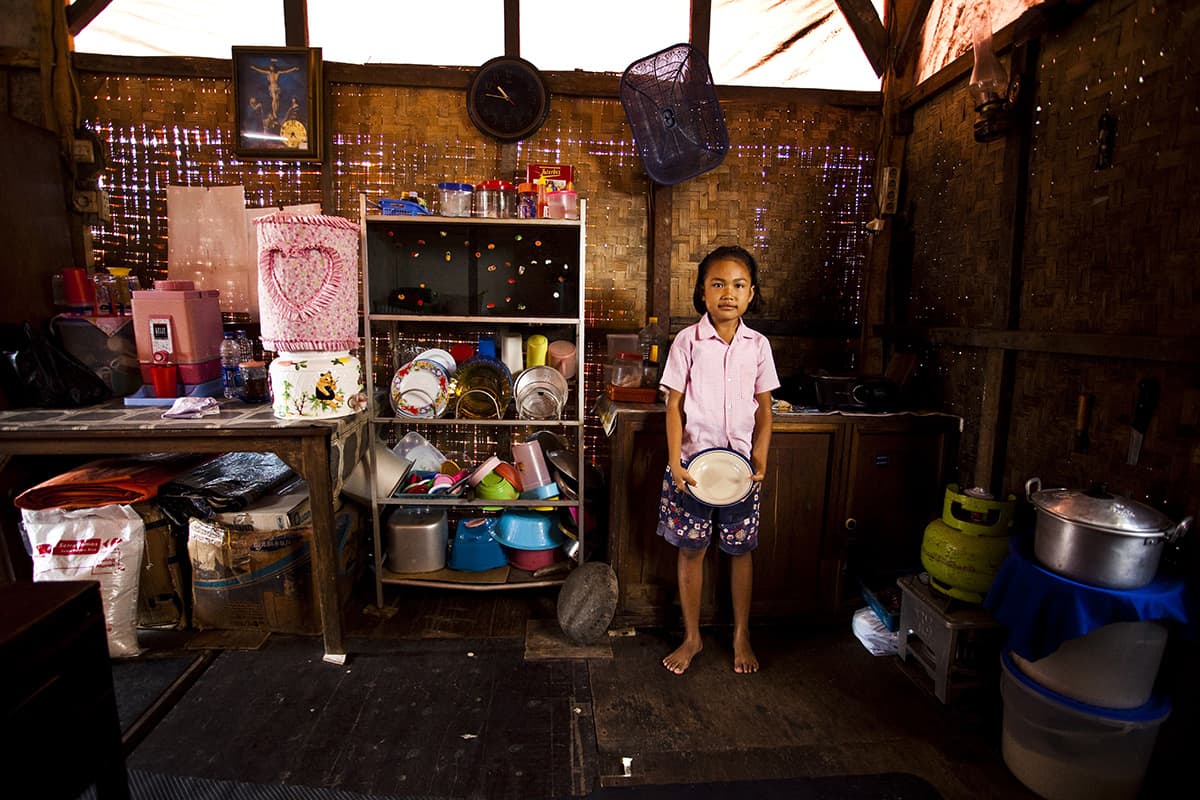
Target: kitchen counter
x,y
847,495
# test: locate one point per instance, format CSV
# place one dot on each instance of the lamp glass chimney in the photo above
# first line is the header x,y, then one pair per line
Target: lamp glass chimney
x,y
989,80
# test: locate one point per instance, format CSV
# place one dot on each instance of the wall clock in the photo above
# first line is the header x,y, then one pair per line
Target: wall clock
x,y
507,99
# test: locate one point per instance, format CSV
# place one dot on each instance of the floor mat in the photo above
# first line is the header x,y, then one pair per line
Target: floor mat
x,y
892,786
151,786
440,718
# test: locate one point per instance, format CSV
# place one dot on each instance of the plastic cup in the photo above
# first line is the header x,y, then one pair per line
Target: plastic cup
x,y
560,354
535,351
165,380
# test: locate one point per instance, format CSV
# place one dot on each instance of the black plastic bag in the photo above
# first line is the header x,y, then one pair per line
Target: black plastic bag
x,y
37,372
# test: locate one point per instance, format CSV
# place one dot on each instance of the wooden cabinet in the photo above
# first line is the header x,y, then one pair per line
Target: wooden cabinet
x,y
844,495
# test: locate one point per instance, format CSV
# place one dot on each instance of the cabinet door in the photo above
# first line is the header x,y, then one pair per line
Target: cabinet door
x,y
645,564
787,566
893,491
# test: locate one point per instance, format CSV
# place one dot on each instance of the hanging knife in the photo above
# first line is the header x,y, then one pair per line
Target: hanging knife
x,y
1143,409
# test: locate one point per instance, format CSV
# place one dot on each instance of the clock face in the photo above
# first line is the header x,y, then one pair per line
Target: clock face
x,y
508,99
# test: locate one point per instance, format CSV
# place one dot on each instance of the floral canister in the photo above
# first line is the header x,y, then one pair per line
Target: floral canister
x,y
316,385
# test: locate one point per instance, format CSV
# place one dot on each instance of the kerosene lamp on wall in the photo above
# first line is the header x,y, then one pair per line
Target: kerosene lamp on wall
x,y
991,88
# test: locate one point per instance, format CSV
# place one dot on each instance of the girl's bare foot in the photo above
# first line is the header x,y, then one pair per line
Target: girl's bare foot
x,y
744,659
681,658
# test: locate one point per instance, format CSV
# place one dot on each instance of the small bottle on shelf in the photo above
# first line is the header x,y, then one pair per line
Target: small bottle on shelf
x,y
231,373
650,339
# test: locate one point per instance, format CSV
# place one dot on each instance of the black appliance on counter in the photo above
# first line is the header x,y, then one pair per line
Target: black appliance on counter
x,y
841,393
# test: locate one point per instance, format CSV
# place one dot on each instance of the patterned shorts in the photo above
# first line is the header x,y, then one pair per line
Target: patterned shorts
x,y
686,522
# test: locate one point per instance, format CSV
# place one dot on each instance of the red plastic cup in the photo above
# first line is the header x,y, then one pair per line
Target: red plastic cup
x,y
77,286
165,380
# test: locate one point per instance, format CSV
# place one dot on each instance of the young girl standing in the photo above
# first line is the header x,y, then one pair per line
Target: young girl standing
x,y
720,375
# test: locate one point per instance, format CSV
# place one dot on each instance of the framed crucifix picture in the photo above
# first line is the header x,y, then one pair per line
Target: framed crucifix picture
x,y
277,102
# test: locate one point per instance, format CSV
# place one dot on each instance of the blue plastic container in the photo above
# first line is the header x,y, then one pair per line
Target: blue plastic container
x,y
474,548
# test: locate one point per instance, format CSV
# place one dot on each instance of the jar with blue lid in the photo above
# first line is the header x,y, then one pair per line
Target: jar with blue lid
x,y
454,199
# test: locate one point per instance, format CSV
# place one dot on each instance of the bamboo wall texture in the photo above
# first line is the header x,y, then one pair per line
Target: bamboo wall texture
x,y
1107,251
795,187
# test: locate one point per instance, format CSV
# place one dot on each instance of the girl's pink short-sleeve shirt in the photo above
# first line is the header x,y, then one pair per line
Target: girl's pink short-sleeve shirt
x,y
719,382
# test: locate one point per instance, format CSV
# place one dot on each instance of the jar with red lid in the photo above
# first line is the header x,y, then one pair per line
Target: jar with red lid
x,y
495,199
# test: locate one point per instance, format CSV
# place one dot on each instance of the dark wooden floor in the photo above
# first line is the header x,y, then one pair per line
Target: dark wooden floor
x,y
445,695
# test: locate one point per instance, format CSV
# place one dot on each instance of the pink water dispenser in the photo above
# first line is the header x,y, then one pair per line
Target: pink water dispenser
x,y
177,323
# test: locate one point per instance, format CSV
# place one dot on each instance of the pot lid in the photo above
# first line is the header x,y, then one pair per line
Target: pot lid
x,y
1100,509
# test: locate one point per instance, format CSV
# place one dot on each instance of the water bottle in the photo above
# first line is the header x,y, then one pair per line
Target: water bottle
x,y
231,373
650,340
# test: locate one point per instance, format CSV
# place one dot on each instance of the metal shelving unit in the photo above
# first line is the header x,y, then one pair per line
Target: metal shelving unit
x,y
437,281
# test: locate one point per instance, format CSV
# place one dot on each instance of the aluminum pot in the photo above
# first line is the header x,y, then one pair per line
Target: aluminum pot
x,y
1099,538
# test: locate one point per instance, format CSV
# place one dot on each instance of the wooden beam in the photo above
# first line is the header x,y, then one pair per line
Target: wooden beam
x,y
658,297
905,51
295,23
1173,349
868,29
82,12
512,27
424,76
700,25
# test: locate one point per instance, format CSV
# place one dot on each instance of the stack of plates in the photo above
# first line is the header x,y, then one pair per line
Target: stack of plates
x,y
421,388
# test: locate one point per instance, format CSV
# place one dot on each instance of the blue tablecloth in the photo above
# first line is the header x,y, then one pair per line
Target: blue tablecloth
x,y
1042,609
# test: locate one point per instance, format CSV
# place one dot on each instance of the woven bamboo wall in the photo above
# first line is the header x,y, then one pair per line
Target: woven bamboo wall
x,y
795,187
794,190
1106,251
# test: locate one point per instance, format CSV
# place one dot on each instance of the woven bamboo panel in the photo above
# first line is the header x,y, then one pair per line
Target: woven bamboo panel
x,y
795,190
1106,251
1041,438
164,132
1113,250
952,202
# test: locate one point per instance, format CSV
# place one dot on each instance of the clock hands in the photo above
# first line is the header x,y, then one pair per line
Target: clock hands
x,y
503,95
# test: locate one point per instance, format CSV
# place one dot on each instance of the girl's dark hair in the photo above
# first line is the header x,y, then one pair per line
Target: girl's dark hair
x,y
729,252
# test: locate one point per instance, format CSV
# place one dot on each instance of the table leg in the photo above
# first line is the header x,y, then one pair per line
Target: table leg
x,y
324,546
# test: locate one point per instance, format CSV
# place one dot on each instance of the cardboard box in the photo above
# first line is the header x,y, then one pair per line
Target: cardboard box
x,y
163,580
286,507
262,579
558,176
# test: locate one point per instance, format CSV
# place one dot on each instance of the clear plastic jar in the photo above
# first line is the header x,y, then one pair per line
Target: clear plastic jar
x,y
562,205
627,370
496,199
454,199
255,386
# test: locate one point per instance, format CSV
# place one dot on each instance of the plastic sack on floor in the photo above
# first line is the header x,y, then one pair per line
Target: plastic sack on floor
x,y
874,635
229,482
93,544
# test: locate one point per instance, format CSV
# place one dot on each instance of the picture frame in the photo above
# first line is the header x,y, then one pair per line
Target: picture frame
x,y
277,95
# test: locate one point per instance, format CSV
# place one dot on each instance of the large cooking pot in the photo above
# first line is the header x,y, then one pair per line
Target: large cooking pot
x,y
1099,538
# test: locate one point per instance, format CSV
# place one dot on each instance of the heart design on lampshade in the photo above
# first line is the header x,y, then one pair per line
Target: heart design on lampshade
x,y
307,282
300,280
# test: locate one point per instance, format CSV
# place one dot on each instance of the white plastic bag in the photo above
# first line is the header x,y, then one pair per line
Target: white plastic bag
x,y
874,635
98,544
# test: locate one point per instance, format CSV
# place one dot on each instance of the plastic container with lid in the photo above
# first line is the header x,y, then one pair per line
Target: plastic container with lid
x,y
495,199
1066,750
562,205
627,370
454,199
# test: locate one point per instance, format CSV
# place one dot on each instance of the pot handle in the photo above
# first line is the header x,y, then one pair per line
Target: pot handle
x,y
1179,530
1032,485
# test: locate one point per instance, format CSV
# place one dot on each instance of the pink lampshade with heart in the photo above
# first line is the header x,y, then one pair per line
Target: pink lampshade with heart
x,y
308,282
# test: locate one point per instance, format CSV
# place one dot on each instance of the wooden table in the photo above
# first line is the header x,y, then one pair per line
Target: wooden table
x,y
323,452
